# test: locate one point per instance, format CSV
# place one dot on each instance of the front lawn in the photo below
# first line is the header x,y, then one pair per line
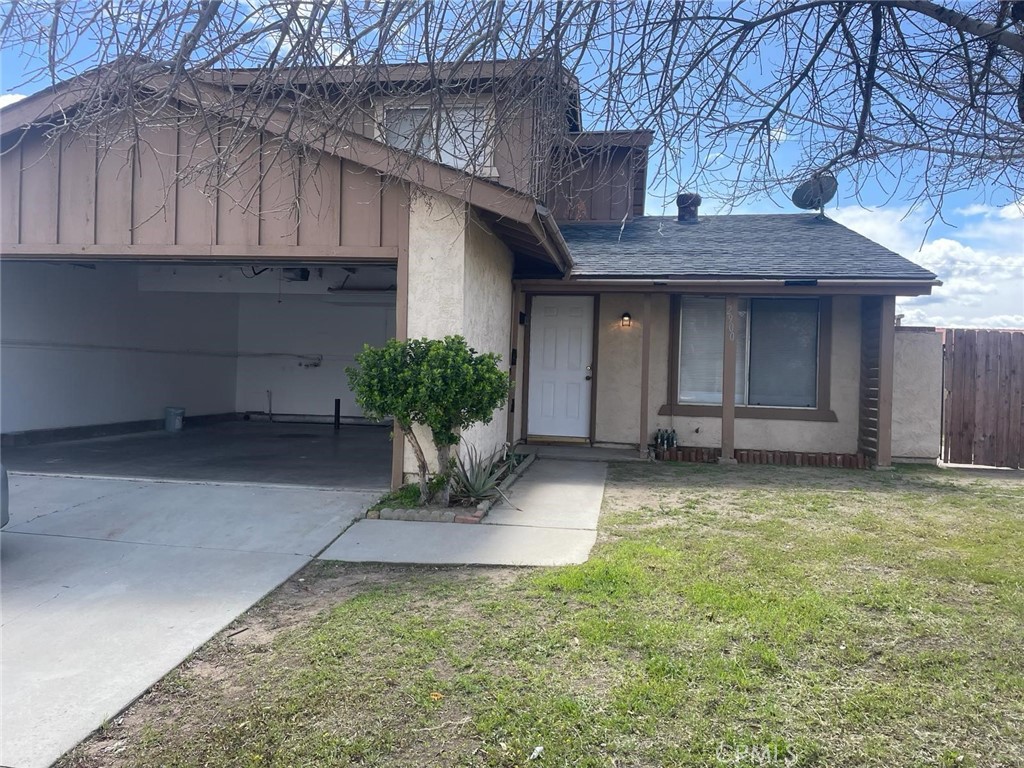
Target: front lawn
x,y
740,616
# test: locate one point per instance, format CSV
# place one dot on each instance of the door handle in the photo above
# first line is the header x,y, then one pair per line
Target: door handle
x,y
589,377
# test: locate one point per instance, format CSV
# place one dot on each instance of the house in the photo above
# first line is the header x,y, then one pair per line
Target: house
x,y
131,284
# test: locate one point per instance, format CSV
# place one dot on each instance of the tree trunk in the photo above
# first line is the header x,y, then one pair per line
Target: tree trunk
x,y
444,460
444,457
421,464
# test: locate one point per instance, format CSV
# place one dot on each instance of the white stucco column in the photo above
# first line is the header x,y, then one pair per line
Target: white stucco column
x,y
460,282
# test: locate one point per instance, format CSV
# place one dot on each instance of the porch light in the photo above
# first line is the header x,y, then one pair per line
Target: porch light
x,y
627,320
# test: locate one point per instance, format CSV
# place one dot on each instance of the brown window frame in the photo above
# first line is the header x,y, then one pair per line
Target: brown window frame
x,y
821,412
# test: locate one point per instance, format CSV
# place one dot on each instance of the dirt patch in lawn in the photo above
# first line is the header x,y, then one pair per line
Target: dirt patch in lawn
x,y
214,669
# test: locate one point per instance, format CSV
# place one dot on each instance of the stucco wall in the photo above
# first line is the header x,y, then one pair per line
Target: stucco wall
x,y
437,265
619,352
334,326
487,302
618,385
85,346
460,282
917,394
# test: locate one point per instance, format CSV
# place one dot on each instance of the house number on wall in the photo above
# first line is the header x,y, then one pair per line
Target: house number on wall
x,y
730,322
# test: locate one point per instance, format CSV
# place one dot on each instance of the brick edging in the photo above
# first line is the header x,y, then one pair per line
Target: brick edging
x,y
453,514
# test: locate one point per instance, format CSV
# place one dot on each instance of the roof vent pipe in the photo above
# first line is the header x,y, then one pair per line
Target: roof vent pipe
x,y
688,203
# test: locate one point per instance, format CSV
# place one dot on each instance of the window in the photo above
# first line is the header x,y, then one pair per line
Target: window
x,y
456,137
701,342
776,352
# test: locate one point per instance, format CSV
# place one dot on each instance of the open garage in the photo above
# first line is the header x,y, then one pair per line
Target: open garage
x,y
255,355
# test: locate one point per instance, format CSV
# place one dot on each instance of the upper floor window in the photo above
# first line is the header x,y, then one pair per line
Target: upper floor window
x,y
776,351
457,136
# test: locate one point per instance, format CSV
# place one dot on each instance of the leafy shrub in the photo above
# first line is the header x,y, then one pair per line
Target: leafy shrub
x,y
441,384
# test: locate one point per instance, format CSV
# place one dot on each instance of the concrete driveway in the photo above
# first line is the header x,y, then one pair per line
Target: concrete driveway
x,y
108,584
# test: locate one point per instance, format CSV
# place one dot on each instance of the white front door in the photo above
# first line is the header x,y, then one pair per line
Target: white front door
x,y
561,348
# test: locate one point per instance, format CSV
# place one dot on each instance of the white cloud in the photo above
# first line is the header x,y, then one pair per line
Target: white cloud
x,y
10,98
981,262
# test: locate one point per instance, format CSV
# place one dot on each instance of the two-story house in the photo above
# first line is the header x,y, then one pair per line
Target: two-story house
x,y
144,273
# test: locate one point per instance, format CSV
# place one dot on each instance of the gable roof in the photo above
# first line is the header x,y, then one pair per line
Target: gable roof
x,y
512,214
801,246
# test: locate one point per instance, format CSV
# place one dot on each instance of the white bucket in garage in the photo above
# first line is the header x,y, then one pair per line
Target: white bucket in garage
x,y
174,419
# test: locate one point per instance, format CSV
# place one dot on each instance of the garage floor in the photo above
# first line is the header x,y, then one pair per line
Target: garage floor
x,y
109,584
356,457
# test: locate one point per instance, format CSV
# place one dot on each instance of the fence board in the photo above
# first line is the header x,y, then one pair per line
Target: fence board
x,y
1002,400
981,450
983,417
1016,442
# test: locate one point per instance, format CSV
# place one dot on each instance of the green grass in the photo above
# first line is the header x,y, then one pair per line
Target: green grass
x,y
741,616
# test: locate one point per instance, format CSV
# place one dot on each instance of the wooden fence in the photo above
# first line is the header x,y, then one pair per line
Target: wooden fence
x,y
983,398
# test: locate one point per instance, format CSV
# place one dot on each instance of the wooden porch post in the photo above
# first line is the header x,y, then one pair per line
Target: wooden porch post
x,y
886,348
513,345
401,328
729,382
645,375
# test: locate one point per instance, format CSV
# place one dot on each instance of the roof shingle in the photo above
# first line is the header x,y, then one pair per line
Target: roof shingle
x,y
754,246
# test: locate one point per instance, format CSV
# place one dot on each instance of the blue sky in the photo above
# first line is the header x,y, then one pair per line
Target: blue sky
x,y
977,248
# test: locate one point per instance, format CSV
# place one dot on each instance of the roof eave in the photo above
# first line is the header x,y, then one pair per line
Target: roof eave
x,y
905,286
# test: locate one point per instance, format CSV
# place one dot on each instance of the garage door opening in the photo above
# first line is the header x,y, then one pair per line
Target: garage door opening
x,y
255,354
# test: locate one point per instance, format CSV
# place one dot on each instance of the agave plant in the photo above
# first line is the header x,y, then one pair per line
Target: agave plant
x,y
475,476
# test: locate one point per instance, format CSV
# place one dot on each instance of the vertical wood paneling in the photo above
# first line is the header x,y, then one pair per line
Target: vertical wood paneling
x,y
621,185
153,190
196,208
238,199
40,161
360,205
982,444
886,355
870,317
984,419
600,190
77,222
1003,397
114,178
969,382
1016,416
319,199
278,187
10,194
394,207
729,380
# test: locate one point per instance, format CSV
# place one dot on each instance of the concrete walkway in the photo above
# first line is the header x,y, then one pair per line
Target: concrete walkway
x,y
108,584
552,520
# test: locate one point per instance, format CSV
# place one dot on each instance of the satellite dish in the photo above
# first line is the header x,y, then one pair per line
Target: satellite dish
x,y
816,192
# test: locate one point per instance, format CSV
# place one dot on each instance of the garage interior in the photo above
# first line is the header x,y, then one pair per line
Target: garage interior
x,y
255,354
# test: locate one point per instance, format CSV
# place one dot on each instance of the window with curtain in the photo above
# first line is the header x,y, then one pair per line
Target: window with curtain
x,y
701,342
776,351
458,137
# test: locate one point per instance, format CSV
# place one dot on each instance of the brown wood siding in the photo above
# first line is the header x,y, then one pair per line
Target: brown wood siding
x,y
40,188
153,187
360,205
196,206
10,194
160,193
870,337
983,405
599,185
77,220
